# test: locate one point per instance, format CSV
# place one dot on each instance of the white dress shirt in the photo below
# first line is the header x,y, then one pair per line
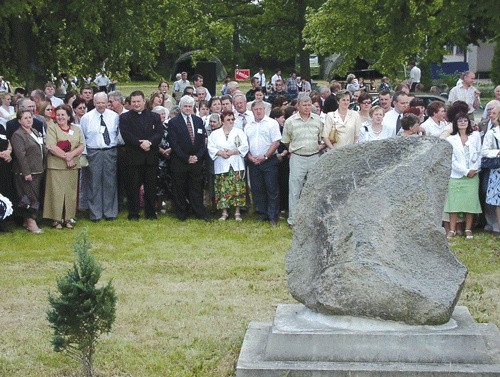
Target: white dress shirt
x,y
462,93
261,135
93,132
241,120
390,120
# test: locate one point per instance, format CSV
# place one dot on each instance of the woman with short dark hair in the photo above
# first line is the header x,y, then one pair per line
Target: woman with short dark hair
x,y
65,144
28,167
227,147
435,124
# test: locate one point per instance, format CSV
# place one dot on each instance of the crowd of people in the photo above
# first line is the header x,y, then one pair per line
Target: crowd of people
x,y
96,150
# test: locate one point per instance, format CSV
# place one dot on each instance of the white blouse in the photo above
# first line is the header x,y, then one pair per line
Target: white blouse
x,y
236,139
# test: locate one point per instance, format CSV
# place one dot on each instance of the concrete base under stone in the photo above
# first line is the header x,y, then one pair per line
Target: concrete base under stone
x,y
303,343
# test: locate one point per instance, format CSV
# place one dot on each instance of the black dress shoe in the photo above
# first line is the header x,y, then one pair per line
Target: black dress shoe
x,y
133,218
110,218
151,217
206,219
93,220
273,222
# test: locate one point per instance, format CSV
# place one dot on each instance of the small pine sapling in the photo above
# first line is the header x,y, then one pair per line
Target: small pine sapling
x,y
81,312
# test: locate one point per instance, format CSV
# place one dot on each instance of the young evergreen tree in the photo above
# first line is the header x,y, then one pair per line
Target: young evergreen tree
x,y
81,312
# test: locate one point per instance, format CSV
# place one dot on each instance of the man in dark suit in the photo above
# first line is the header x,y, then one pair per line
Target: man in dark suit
x,y
187,137
142,130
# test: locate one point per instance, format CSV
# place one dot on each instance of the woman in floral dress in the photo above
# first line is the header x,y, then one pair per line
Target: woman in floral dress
x,y
227,147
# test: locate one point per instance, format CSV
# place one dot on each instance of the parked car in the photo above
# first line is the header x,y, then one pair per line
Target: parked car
x,y
427,97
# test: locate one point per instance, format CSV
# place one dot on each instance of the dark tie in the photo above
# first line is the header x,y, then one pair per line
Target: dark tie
x,y
105,134
190,129
398,123
243,121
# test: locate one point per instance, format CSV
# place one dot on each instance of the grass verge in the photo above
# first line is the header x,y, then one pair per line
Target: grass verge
x,y
186,293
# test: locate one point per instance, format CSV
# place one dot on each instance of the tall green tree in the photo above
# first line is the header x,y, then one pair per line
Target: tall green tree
x,y
389,32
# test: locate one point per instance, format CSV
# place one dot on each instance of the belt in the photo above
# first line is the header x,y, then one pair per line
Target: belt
x,y
101,149
306,155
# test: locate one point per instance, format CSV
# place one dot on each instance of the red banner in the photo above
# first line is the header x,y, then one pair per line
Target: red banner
x,y
242,74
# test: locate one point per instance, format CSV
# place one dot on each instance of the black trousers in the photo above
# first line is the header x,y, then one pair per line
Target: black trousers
x,y
141,175
187,188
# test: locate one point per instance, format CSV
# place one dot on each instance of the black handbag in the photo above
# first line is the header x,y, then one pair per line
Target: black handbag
x,y
491,162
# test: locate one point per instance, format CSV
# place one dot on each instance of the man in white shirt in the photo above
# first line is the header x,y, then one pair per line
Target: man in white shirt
x,y
180,85
466,92
392,119
262,77
50,90
415,75
102,136
241,114
263,139
385,100
276,76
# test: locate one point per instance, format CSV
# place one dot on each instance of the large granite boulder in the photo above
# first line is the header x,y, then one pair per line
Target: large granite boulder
x,y
368,240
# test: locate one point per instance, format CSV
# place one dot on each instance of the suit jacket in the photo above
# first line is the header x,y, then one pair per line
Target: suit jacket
x,y
13,125
28,153
136,126
330,104
180,141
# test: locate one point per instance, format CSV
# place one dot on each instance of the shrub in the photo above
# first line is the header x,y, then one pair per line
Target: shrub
x,y
81,312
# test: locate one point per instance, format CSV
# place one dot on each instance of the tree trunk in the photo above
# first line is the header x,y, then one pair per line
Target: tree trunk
x,y
305,69
88,367
25,46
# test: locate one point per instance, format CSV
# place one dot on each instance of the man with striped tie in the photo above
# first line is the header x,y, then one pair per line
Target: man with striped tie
x,y
187,137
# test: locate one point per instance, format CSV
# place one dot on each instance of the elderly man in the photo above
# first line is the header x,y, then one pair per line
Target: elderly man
x,y
263,139
142,131
302,136
466,92
100,130
392,118
187,138
242,116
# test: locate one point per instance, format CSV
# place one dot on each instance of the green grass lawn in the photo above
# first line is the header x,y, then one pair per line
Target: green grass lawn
x,y
186,293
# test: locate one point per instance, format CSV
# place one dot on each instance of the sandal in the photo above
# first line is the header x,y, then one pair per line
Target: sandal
x,y
237,217
68,225
223,217
451,234
56,225
468,234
